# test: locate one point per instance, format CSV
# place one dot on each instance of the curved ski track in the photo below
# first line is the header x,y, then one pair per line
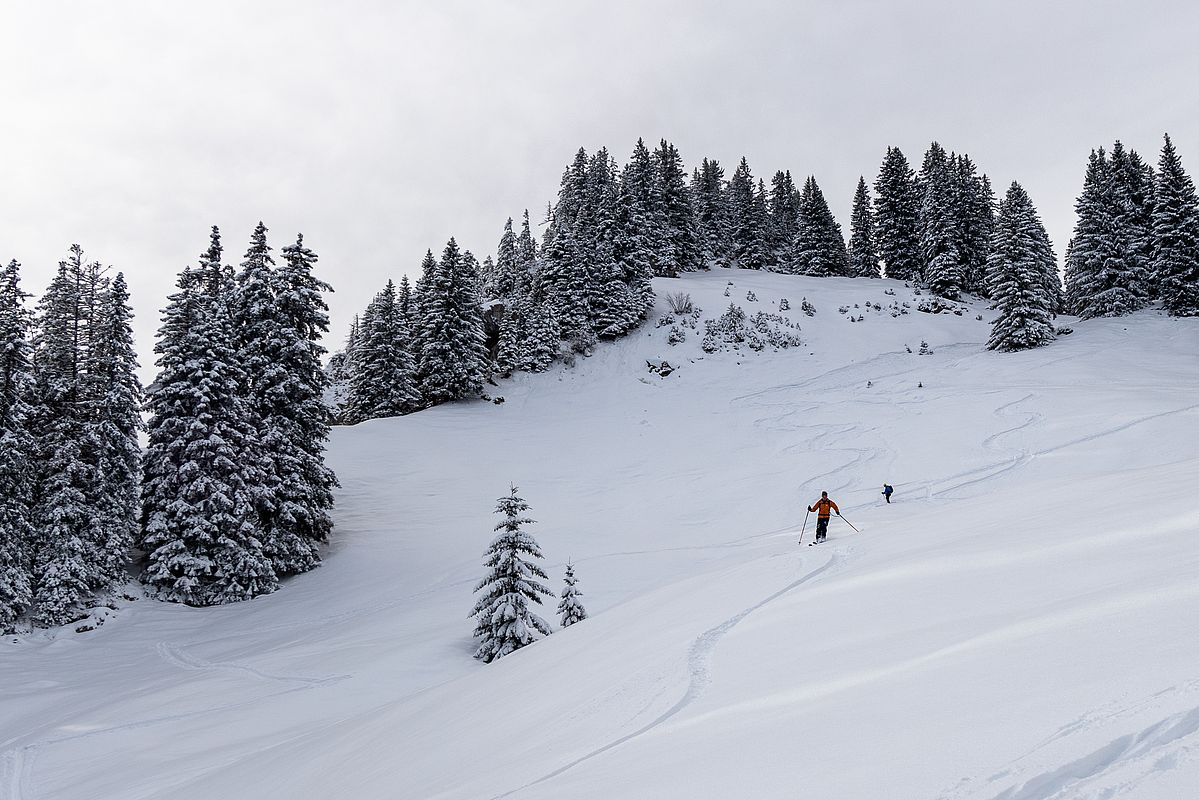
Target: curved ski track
x,y
699,656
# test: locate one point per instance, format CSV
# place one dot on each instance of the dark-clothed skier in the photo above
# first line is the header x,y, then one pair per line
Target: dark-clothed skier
x,y
822,506
887,489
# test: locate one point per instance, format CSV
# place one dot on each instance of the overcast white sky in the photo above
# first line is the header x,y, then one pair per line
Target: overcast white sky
x,y
379,129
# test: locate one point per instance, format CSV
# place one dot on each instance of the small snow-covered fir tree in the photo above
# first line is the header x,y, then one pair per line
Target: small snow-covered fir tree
x,y
570,608
1020,258
504,620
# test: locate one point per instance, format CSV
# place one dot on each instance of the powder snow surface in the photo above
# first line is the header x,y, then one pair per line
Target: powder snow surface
x,y
1019,624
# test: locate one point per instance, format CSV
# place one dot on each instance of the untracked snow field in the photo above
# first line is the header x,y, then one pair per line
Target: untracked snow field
x,y
1020,623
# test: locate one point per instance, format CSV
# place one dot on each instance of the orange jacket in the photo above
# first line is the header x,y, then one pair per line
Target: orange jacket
x,y
822,505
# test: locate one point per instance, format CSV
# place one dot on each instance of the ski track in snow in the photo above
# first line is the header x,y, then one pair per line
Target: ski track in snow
x,y
18,761
1158,744
699,657
174,654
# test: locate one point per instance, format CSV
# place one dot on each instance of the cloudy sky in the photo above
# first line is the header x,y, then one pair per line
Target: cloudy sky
x,y
380,129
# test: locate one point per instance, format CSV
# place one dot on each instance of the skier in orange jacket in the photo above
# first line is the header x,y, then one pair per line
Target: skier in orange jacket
x,y
823,505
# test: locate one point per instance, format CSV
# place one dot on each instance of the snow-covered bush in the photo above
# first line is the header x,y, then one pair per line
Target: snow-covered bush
x,y
751,297
925,350
761,330
807,308
784,305
939,305
676,336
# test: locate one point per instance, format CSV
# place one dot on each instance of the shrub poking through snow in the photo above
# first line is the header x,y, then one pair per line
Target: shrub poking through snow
x,y
679,302
925,350
571,610
784,305
807,308
503,617
676,336
751,297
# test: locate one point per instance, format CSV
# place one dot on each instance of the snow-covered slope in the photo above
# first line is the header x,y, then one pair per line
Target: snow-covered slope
x,y
1018,624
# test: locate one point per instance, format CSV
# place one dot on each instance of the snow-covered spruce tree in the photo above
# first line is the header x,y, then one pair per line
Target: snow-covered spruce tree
x,y
513,333
896,212
504,279
614,309
570,608
16,450
972,211
504,620
404,301
783,208
747,220
67,555
711,211
819,247
383,380
863,256
266,344
116,422
1132,194
295,413
1020,259
526,256
200,530
640,228
542,334
1106,275
680,250
1176,232
453,359
939,255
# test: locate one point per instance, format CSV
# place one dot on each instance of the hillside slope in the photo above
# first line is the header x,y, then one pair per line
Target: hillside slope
x,y
1019,623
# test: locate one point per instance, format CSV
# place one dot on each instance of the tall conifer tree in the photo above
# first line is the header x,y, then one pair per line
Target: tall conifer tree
x,y
897,206
1176,233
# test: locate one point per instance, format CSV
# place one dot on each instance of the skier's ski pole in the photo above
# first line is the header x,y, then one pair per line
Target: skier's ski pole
x,y
805,525
850,524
